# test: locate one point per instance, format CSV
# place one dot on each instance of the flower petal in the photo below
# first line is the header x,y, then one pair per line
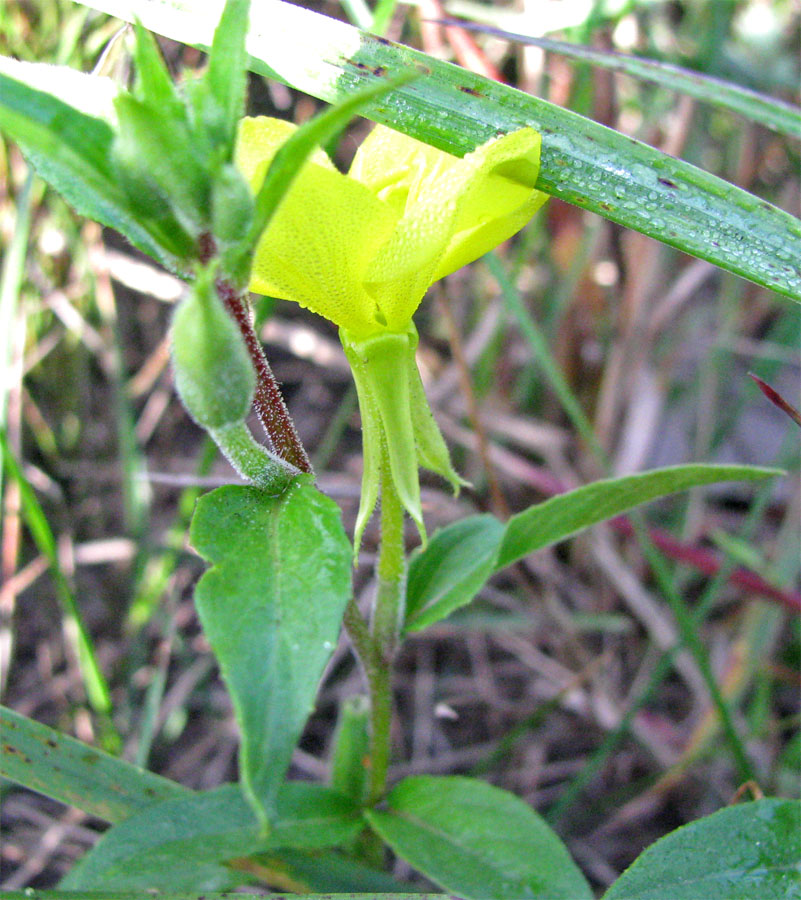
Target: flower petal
x,y
257,143
390,163
497,197
320,241
408,176
451,210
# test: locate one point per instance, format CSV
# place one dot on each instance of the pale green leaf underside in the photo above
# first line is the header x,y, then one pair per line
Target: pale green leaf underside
x,y
450,571
747,851
582,162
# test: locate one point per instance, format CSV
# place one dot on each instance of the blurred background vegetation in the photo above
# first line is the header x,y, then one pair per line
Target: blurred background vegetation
x,y
555,684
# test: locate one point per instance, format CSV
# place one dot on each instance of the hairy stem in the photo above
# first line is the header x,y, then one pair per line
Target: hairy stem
x,y
251,460
269,402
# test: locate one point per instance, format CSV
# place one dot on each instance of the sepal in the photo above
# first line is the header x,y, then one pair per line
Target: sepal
x,y
372,446
231,205
399,433
432,451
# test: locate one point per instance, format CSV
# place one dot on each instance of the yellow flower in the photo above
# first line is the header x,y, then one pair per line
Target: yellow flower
x,y
362,249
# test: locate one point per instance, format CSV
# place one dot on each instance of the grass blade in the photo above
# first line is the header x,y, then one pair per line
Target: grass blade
x,y
72,772
774,114
10,283
95,683
582,162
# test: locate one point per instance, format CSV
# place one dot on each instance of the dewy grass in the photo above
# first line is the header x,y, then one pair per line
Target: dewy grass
x,y
226,203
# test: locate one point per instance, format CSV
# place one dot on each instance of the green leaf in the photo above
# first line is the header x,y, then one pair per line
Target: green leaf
x,y
477,841
332,870
271,607
153,82
451,569
226,76
180,844
70,150
37,894
582,162
166,150
767,111
74,773
744,852
566,514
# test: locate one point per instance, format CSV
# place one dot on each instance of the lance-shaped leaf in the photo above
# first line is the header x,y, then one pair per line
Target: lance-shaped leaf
x,y
450,571
271,607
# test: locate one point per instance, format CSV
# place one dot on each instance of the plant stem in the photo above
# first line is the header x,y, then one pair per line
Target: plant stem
x,y
377,673
391,568
385,629
376,646
253,461
269,403
268,400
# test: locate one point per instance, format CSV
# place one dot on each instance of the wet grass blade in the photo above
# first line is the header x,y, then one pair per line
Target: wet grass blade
x,y
582,162
774,114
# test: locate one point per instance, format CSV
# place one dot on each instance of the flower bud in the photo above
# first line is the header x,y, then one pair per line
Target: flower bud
x,y
213,372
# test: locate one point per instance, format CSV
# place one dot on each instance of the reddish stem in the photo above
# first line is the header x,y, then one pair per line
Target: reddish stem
x,y
269,402
708,562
